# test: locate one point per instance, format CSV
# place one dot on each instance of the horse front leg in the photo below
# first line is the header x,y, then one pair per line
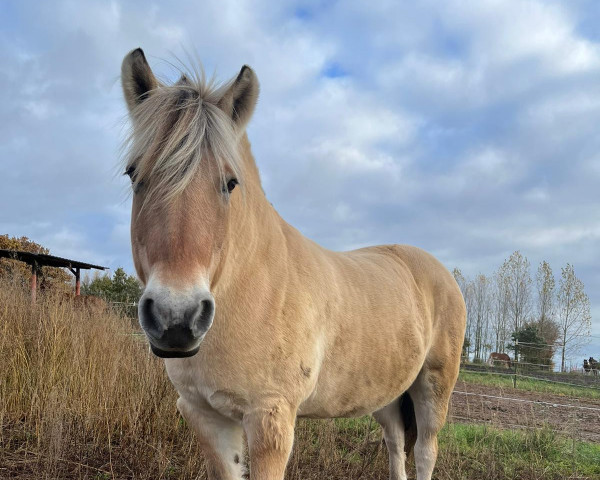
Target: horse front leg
x,y
221,440
270,433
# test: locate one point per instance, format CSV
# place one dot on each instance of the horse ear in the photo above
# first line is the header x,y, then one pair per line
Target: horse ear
x,y
137,78
239,100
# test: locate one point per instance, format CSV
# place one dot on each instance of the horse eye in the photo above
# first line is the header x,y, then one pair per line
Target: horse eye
x,y
231,184
130,172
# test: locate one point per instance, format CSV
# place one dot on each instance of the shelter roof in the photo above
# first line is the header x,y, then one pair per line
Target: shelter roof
x,y
47,260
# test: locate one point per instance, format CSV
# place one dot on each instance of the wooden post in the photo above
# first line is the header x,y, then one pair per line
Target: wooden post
x,y
516,362
77,281
33,284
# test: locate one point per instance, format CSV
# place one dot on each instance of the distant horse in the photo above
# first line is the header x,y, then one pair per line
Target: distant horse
x,y
594,366
501,358
586,366
257,324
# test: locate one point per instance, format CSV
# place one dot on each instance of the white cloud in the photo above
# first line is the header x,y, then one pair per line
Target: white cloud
x,y
493,166
560,235
568,104
507,33
39,109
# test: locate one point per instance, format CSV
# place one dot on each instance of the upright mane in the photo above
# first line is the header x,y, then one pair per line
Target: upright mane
x,y
174,130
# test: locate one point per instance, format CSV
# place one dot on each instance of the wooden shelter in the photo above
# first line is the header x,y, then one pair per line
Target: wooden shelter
x,y
39,260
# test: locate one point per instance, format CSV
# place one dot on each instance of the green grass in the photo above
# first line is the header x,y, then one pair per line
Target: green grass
x,y
466,452
506,381
483,452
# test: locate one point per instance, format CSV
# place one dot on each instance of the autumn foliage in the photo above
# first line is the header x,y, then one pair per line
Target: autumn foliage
x,y
19,273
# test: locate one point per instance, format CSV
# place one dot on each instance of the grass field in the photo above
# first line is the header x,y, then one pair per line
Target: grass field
x,y
479,452
81,397
528,384
466,452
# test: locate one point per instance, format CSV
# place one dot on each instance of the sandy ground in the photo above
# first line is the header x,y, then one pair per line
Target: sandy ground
x,y
558,412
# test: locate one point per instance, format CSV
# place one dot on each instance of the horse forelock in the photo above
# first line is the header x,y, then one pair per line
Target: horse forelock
x,y
175,131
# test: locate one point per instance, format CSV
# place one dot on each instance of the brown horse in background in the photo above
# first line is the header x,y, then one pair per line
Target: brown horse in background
x,y
502,358
257,324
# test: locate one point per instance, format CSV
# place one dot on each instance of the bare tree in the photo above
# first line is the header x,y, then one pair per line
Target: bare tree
x,y
546,289
519,289
460,279
500,309
574,317
481,314
467,292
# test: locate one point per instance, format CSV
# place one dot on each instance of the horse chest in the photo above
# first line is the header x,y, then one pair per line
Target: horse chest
x,y
218,389
190,382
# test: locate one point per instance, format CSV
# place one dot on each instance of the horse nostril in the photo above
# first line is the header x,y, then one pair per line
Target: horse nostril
x,y
149,319
147,306
206,315
199,317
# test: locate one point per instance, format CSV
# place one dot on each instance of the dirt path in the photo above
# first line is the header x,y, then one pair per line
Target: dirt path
x,y
478,404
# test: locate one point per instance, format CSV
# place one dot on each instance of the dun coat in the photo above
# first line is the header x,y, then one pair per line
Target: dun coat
x,y
257,324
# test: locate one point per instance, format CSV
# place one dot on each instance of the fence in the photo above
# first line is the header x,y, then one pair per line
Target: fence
x,y
576,418
129,309
526,370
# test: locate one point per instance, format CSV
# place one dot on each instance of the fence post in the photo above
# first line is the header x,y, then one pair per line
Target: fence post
x,y
516,363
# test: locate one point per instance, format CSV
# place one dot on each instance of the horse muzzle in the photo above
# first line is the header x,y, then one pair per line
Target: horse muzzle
x,y
174,323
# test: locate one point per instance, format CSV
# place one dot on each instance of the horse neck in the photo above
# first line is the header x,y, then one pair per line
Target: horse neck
x,y
254,235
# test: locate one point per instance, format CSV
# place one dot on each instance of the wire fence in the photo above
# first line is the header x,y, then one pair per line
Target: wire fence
x,y
523,400
518,426
565,417
127,308
536,371
530,344
520,348
592,387
589,383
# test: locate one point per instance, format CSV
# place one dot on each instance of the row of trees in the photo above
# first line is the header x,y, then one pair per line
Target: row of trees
x,y
540,313
118,288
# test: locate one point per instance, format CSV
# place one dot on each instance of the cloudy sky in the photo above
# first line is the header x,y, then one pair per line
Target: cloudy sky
x,y
466,128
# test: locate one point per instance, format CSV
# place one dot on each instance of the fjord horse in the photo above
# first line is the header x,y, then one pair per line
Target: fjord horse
x,y
257,324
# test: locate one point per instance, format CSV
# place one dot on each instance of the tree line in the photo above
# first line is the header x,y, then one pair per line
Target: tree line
x,y
532,317
118,288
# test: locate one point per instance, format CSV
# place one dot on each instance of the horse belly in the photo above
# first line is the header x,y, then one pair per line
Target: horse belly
x,y
365,376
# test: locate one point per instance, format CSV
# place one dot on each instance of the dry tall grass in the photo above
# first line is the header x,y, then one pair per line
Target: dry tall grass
x,y
82,397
